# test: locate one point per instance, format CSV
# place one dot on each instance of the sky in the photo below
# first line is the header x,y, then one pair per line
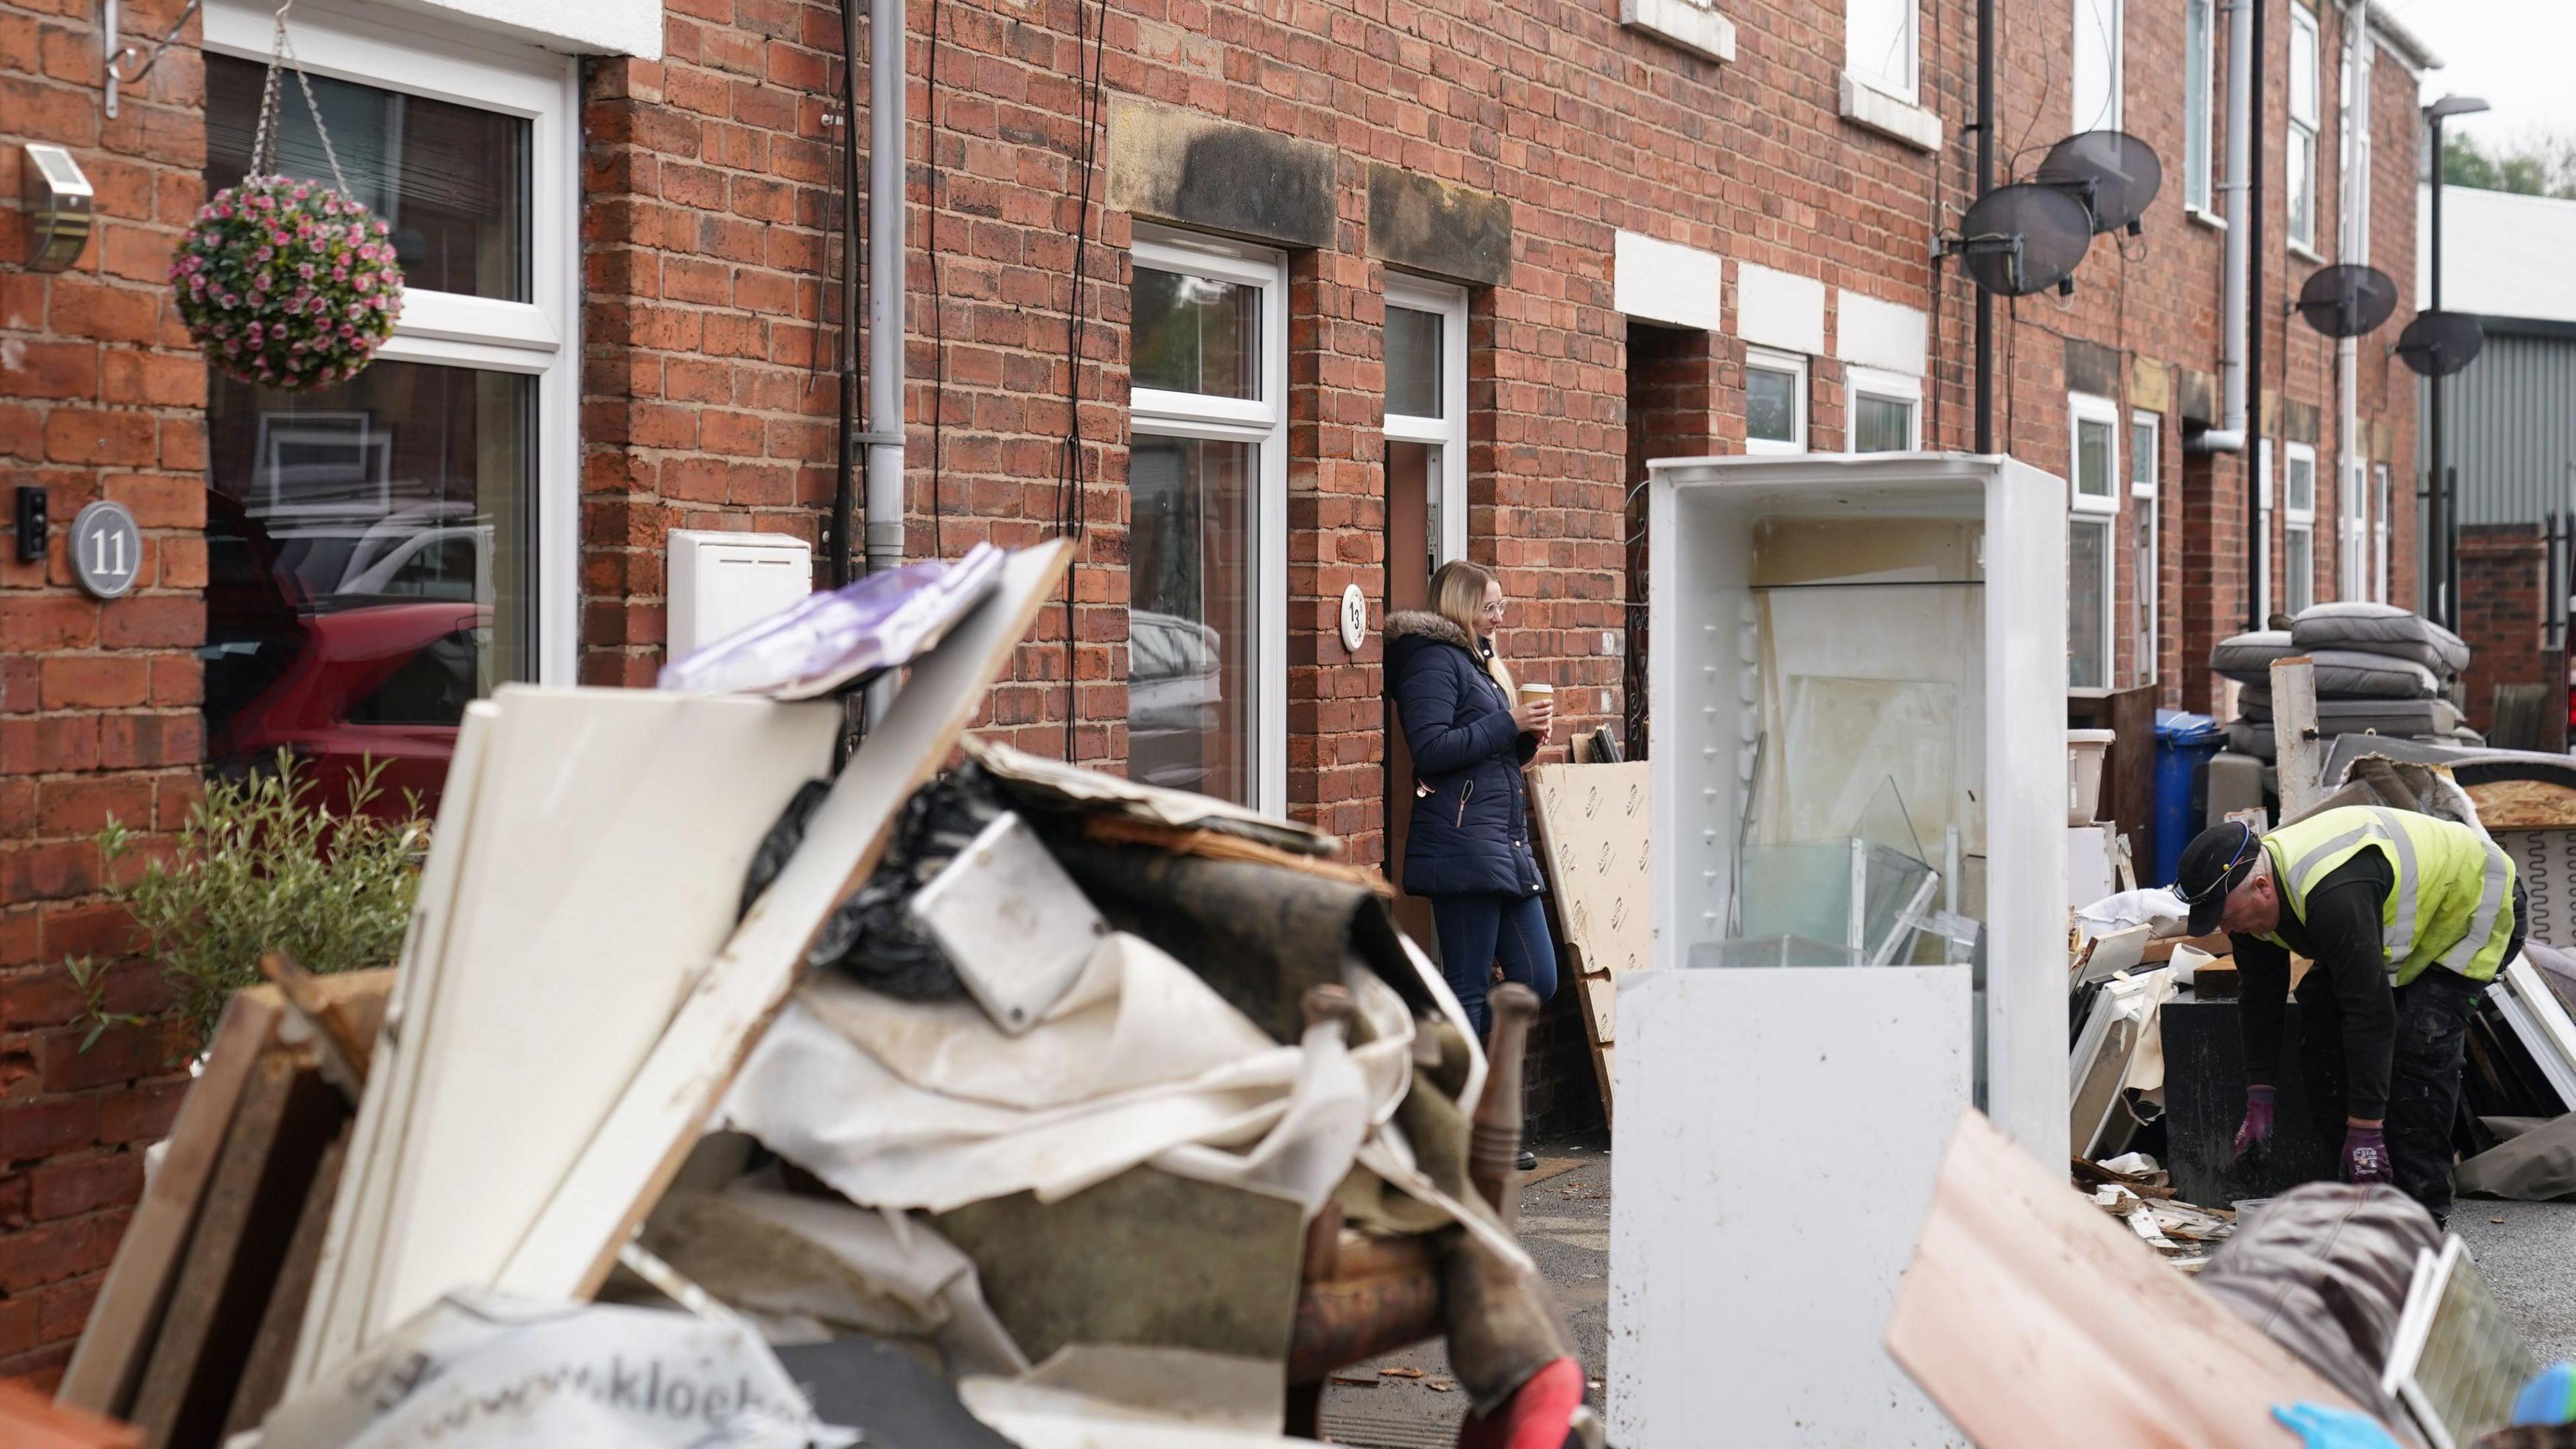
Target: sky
x,y
2514,53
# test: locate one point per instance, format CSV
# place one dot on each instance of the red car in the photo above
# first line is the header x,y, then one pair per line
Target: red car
x,y
339,683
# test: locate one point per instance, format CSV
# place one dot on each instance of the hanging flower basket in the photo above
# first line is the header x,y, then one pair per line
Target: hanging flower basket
x,y
287,284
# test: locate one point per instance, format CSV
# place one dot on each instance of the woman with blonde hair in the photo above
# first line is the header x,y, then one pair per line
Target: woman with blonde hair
x,y
1468,850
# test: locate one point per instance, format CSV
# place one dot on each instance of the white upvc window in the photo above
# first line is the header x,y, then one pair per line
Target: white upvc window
x,y
2379,517
2298,526
2199,107
1207,544
2096,81
436,494
1775,401
1426,407
1884,411
2352,533
2093,513
2263,528
1879,46
2146,457
2304,117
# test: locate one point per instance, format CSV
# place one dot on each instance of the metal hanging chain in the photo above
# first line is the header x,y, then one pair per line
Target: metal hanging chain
x,y
263,146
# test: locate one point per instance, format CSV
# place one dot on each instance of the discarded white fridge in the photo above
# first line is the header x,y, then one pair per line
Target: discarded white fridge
x,y
1857,681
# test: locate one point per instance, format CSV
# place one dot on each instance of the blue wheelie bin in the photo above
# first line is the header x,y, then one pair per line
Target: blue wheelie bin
x,y
2184,743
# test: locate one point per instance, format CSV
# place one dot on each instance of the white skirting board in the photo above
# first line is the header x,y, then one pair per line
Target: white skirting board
x,y
1779,1133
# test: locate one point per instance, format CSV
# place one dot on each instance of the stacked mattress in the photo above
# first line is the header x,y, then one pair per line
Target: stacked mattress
x,y
2380,670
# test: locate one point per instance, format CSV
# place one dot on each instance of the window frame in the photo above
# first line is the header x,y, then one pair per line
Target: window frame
x,y
2110,112
1860,382
1449,432
1770,359
2146,446
2301,139
2298,525
1910,91
2263,526
1262,422
2082,408
2381,503
2200,172
540,337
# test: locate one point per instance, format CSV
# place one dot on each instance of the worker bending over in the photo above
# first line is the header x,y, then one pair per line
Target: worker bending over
x,y
2407,918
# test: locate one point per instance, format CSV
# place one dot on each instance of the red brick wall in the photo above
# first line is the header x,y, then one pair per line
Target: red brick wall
x,y
2503,584
100,396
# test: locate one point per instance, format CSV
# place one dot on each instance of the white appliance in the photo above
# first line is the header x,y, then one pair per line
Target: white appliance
x,y
723,582
1857,680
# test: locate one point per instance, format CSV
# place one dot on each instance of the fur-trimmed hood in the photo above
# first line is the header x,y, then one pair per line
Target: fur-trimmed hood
x,y
1424,624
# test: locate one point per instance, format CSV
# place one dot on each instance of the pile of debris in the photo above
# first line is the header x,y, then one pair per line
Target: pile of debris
x,y
726,1099
2132,1188
2380,670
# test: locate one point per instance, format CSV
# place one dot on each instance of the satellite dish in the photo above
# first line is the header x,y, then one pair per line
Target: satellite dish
x,y
2113,173
2348,300
2024,238
2438,344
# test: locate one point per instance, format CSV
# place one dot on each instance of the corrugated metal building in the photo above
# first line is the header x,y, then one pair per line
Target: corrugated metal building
x,y
2510,425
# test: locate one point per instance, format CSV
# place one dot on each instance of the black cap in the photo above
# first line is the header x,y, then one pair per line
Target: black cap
x,y
2212,865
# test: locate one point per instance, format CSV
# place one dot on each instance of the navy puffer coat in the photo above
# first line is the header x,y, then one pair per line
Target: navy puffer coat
x,y
1471,832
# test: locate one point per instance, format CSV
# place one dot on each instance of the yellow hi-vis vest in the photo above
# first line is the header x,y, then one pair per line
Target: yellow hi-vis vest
x,y
2450,902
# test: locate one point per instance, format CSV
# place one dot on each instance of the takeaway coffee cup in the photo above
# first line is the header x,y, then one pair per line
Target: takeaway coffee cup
x,y
1539,694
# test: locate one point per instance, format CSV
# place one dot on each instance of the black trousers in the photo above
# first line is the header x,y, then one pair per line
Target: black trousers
x,y
2433,1014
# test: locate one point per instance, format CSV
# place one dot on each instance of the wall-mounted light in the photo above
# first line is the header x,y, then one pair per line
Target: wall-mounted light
x,y
56,199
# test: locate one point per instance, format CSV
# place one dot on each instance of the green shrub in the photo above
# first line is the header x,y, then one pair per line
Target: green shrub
x,y
262,865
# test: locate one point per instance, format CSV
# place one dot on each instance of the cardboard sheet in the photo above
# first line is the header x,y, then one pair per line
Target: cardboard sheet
x,y
2036,1321
1592,830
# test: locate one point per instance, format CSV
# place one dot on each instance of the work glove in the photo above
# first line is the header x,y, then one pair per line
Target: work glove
x,y
2258,1120
2365,1155
2550,1398
2319,1427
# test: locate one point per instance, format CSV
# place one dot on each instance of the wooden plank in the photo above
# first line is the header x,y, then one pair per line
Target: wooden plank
x,y
606,878
272,1355
2298,752
2129,774
128,1312
632,1158
2024,1309
345,1277
1592,838
286,1117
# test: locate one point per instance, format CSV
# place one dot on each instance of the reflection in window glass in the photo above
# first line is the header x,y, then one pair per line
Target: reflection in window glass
x,y
370,566
2088,590
1196,334
1771,406
2299,547
1882,424
1189,643
1413,490
2093,458
1413,363
2303,483
2199,100
1878,43
451,181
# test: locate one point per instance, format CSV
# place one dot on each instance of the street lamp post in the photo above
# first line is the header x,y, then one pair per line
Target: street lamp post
x,y
2441,487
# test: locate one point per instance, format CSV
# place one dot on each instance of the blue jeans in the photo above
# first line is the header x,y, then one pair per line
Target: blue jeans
x,y
1477,930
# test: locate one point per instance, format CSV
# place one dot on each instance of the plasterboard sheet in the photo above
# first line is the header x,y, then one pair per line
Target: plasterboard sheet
x,y
1751,1274
334,1320
615,827
2038,1321
632,1157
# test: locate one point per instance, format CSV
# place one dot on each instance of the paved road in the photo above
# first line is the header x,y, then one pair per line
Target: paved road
x,y
2530,1260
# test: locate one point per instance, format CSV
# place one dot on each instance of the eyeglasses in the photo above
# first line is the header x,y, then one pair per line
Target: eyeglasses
x,y
2218,885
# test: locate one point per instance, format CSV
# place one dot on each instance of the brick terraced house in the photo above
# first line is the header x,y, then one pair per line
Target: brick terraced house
x,y
1363,284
